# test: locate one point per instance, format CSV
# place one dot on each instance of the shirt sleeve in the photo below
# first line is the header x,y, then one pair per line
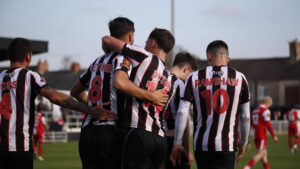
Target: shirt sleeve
x,y
267,115
187,92
85,77
44,120
38,81
135,53
245,94
122,63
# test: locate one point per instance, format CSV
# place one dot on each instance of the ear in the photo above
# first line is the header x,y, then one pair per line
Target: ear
x,y
131,37
228,60
209,57
28,57
153,43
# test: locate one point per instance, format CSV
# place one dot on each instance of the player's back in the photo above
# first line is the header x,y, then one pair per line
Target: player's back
x,y
216,93
259,116
293,116
19,88
99,80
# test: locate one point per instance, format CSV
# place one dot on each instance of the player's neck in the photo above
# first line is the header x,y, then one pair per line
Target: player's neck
x,y
18,65
218,63
160,53
176,71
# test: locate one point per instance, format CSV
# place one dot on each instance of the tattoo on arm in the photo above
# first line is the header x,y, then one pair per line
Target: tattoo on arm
x,y
73,104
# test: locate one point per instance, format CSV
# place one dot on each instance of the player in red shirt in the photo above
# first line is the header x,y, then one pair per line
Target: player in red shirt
x,y
260,120
293,116
40,126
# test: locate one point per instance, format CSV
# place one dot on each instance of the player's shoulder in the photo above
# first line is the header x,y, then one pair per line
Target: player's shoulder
x,y
139,49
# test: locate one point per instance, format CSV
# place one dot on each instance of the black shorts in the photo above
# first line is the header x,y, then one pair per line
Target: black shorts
x,y
100,147
170,142
143,150
16,160
215,160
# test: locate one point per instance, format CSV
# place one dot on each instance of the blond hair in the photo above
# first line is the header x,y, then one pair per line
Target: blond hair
x,y
267,100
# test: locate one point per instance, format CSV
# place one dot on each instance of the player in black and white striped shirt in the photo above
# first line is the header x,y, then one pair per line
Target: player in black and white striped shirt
x,y
220,96
183,65
19,88
144,145
100,143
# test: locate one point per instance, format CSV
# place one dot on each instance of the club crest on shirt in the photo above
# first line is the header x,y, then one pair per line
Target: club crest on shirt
x,y
126,63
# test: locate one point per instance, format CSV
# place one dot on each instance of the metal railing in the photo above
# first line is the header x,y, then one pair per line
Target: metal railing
x,y
56,136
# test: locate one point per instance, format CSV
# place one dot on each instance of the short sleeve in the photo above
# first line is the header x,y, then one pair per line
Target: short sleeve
x,y
187,92
44,120
267,115
245,94
136,53
122,63
85,77
38,81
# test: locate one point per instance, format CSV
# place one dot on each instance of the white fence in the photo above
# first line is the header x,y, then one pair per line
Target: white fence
x,y
56,136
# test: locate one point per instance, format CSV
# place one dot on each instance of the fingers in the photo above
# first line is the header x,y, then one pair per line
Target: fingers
x,y
104,104
173,160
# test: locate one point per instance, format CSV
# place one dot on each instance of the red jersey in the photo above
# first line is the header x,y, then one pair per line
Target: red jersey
x,y
260,120
39,123
293,116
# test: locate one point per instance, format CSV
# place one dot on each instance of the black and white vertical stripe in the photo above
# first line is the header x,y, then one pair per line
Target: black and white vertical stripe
x,y
171,111
16,132
146,68
104,66
214,131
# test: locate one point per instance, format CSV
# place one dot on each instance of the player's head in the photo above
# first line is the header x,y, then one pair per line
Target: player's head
x,y
217,53
267,101
184,64
160,40
122,28
20,50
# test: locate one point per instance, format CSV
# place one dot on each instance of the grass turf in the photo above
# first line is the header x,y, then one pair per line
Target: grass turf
x,y
66,156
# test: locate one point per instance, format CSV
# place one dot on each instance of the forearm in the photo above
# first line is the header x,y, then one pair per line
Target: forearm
x,y
123,84
180,123
245,123
186,136
270,128
64,100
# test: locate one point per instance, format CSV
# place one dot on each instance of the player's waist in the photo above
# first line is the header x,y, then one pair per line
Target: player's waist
x,y
103,122
160,132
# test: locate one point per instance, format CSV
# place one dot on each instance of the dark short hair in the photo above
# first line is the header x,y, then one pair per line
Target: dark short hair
x,y
18,49
164,39
120,26
185,58
215,45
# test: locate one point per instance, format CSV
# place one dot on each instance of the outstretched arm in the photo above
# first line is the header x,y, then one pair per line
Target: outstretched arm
x,y
68,102
122,83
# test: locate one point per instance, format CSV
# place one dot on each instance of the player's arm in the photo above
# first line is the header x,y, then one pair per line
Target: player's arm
x,y
244,129
181,120
111,43
122,83
77,92
266,116
68,102
186,142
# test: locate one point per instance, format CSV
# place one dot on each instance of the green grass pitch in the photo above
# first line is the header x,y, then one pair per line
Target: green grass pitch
x,y
65,156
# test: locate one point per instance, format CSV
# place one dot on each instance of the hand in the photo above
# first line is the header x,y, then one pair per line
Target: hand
x,y
176,154
241,152
276,139
159,97
100,113
47,135
190,158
